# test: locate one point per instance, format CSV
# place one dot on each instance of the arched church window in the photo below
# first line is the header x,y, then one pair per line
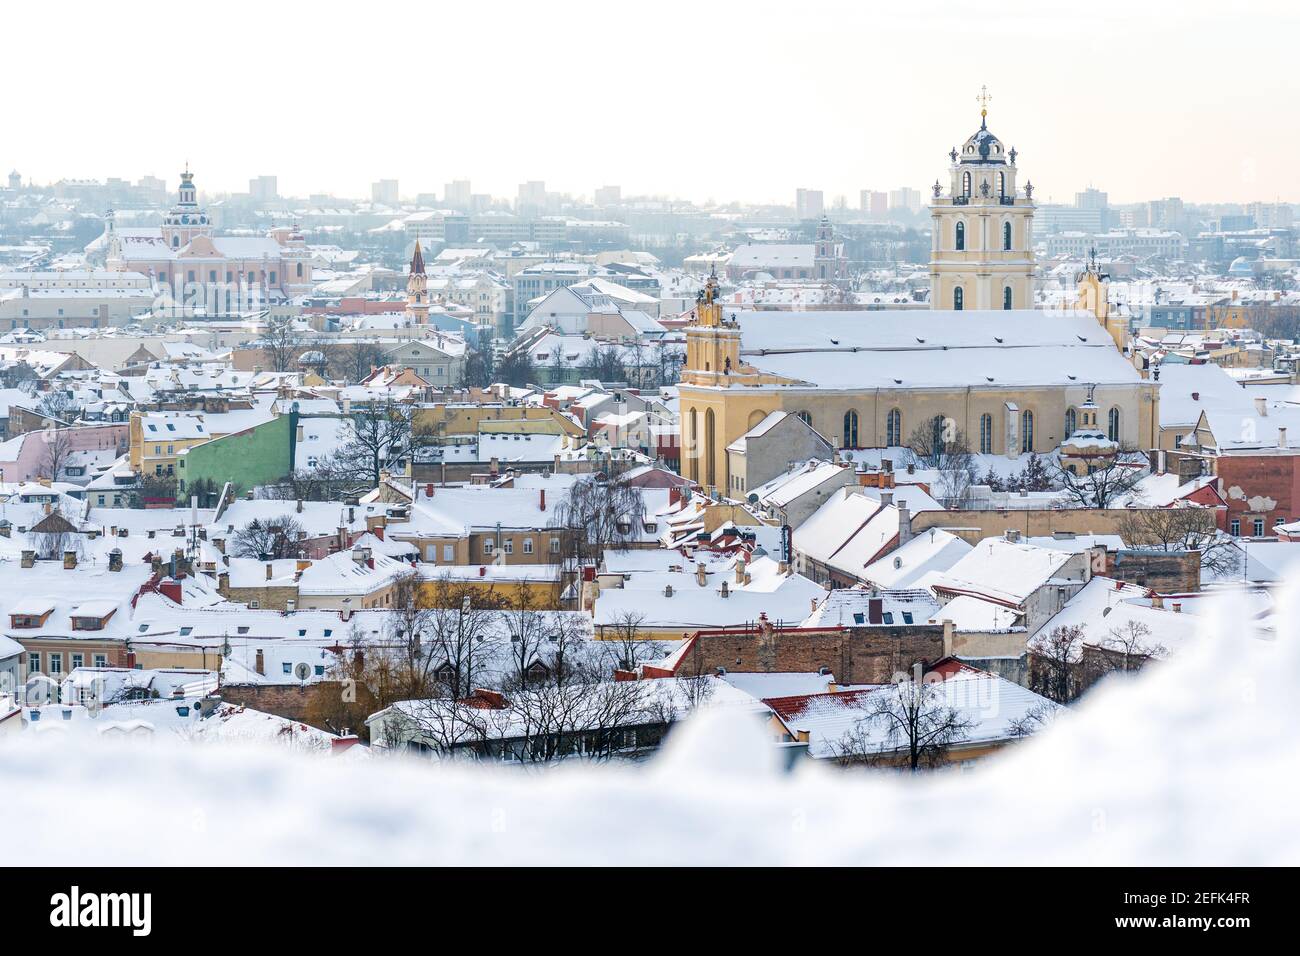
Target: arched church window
x,y
894,428
850,439
1002,184
1027,431
1006,237
986,434
1006,298
958,297
961,236
1112,430
1071,421
965,183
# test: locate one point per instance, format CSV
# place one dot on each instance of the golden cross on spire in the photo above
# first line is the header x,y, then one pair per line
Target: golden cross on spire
x,y
983,100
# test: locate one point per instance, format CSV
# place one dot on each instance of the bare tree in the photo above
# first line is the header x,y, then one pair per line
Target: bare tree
x,y
910,722
282,341
1185,527
269,540
1033,720
1129,646
460,622
1055,663
1105,482
58,448
940,445
384,435
627,641
60,405
55,534
605,363
596,514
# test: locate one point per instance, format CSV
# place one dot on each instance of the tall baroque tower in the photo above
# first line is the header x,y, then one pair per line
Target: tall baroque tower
x,y
980,254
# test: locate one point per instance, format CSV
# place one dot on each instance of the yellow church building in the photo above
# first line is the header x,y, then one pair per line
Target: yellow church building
x,y
1012,379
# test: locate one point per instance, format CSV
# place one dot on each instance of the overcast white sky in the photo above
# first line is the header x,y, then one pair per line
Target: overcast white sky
x,y
723,99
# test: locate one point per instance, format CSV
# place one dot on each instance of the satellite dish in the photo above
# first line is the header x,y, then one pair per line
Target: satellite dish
x,y
302,671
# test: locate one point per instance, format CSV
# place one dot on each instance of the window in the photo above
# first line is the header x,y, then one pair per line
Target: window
x,y
286,667
56,661
850,429
961,236
806,416
894,428
986,434
1259,533
489,545
1235,527
100,660
555,546
1071,421
448,552
1006,298
958,298
1027,431
508,546
938,436
528,545
1112,429
320,670
34,663
78,660
1006,237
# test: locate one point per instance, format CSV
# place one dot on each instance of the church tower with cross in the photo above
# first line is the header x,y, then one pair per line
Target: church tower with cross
x,y
982,227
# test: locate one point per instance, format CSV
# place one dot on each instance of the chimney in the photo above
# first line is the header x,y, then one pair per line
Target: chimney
x,y
1162,461
428,489
1281,438
1011,536
270,570
29,559
726,591
69,560
541,500
948,629
886,498
668,590
875,609
5,529
260,665
299,506
290,606
1157,602
378,531
740,568
1177,607
302,433
904,524
1196,396
1261,407
115,559
701,576
482,570
223,583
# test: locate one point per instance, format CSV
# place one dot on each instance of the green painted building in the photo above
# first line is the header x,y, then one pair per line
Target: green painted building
x,y
250,457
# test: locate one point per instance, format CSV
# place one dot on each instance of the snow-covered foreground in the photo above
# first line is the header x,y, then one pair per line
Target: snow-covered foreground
x,y
1193,762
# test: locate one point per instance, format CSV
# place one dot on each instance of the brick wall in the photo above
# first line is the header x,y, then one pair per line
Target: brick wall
x,y
283,700
855,655
1169,572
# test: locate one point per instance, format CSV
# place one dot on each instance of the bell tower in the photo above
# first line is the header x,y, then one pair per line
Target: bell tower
x,y
1094,297
417,289
712,342
982,228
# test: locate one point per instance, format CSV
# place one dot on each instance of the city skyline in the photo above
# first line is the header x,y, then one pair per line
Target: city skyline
x,y
806,99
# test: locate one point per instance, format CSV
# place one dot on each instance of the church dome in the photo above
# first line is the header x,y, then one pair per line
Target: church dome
x,y
983,147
